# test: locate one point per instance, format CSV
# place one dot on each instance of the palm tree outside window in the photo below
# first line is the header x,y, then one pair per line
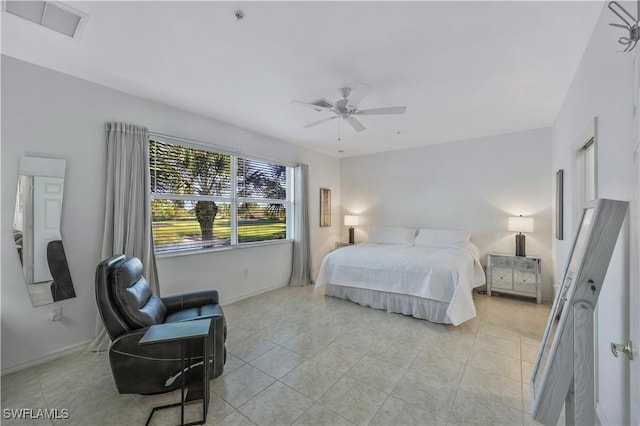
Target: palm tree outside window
x,y
203,199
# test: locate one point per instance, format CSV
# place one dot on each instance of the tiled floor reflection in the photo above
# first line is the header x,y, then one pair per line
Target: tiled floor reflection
x,y
296,357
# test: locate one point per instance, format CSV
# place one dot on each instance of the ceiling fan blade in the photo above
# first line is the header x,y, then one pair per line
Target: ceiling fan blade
x,y
313,106
315,123
356,95
357,126
377,111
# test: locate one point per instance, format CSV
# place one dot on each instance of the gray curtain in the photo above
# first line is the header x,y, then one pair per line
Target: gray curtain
x,y
301,267
127,219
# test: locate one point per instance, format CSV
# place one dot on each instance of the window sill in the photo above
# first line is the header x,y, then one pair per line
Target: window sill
x,y
179,253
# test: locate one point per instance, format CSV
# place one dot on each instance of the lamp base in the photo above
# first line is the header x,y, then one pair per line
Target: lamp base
x,y
520,251
352,239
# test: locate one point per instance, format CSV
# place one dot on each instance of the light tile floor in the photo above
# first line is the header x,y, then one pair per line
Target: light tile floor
x,y
296,357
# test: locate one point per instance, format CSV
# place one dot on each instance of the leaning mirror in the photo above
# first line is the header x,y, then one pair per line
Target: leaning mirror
x,y
575,257
563,372
36,230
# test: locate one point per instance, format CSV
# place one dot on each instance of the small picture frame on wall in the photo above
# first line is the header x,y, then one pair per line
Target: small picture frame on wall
x,y
559,204
325,207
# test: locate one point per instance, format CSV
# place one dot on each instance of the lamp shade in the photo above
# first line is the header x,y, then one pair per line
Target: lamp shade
x,y
350,220
520,224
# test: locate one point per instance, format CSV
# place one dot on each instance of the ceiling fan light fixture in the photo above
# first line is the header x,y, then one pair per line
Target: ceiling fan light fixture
x,y
347,108
322,103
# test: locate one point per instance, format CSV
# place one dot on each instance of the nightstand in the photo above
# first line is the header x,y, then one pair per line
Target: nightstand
x,y
339,245
514,275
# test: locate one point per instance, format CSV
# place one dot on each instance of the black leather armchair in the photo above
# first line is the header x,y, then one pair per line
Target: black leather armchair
x,y
128,307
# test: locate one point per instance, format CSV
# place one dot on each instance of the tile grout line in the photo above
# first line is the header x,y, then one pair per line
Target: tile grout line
x,y
44,397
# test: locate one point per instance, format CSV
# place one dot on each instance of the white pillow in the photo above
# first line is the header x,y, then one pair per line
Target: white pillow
x,y
442,238
392,235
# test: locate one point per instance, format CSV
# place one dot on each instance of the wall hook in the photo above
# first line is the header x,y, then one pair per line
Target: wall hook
x,y
630,24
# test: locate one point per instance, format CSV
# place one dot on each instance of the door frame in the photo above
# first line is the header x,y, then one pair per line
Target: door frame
x,y
634,294
634,273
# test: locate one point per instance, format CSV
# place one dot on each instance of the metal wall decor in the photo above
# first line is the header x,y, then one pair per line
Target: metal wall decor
x,y
630,24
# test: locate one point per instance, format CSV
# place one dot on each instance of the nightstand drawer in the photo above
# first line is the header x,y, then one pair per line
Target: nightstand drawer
x,y
501,278
501,261
525,264
527,287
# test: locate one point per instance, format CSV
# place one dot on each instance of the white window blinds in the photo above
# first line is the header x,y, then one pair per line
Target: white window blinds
x,y
205,199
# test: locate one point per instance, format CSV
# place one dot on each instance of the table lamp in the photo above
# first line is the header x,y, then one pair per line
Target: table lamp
x,y
351,220
520,224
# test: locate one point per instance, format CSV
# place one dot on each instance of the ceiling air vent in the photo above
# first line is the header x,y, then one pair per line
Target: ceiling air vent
x,y
53,15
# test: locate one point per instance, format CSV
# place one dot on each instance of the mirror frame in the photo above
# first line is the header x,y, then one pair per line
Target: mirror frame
x,y
556,377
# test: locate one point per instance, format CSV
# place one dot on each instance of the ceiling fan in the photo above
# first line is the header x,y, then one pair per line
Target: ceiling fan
x,y
347,107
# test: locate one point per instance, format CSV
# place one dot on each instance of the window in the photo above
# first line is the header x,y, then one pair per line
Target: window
x,y
586,175
204,199
588,154
262,201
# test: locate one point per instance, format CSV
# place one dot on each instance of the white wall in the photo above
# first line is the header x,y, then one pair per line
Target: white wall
x,y
602,87
45,113
473,184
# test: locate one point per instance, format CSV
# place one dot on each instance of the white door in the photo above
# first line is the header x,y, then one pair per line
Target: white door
x,y
634,283
634,288
618,379
47,210
612,319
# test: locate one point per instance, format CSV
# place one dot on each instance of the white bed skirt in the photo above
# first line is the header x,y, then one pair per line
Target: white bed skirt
x,y
418,307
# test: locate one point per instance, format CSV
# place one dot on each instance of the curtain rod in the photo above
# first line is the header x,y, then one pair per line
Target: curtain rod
x,y
224,149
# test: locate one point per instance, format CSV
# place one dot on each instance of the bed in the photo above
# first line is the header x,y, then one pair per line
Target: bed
x,y
429,276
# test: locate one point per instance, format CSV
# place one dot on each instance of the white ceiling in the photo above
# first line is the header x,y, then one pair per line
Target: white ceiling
x,y
463,69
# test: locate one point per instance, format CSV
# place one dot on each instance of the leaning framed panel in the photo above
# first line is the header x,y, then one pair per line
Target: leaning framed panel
x,y
564,369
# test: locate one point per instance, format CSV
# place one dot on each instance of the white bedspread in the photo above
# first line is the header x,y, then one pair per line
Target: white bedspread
x,y
444,274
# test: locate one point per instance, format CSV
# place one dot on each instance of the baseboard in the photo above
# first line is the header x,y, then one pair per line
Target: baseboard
x,y
78,347
255,293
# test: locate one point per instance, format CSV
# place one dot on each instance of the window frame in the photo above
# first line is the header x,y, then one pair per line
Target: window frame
x,y
586,148
234,200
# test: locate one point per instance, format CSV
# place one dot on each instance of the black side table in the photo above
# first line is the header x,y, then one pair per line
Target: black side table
x,y
185,332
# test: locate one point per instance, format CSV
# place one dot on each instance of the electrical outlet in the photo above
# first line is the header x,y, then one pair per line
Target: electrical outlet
x,y
56,313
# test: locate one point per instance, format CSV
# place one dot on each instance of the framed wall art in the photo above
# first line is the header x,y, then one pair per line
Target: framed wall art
x,y
325,207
